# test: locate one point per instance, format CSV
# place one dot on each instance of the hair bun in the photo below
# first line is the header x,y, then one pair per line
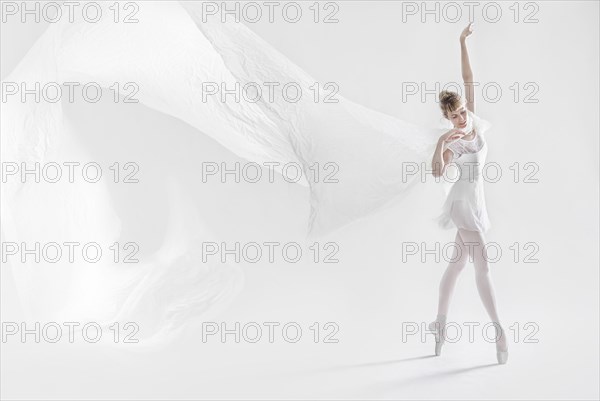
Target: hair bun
x,y
446,95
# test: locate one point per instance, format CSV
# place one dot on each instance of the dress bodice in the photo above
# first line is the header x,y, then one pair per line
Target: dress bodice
x,y
469,157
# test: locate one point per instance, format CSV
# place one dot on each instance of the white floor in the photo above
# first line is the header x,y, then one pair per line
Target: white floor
x,y
368,297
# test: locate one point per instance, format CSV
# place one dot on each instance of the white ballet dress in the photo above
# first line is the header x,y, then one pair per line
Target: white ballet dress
x,y
464,207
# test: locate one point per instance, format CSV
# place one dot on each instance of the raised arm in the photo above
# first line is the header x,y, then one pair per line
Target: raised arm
x,y
467,74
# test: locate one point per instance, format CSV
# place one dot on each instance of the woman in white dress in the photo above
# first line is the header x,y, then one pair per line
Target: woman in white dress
x,y
464,207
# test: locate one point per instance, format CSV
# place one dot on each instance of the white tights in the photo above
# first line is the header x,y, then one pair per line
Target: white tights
x,y
475,241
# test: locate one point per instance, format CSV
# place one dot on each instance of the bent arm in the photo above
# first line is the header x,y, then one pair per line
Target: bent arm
x,y
441,158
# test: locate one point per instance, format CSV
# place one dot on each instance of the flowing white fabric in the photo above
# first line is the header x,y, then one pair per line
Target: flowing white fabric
x,y
169,54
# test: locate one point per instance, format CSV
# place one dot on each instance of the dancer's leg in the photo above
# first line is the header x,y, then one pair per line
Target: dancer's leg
x,y
475,242
448,282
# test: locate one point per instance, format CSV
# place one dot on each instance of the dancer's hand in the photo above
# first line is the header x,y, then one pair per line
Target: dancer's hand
x,y
452,135
467,31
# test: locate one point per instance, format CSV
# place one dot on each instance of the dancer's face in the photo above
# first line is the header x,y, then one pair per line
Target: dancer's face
x,y
458,117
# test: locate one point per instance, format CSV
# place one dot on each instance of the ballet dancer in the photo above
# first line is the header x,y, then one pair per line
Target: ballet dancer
x,y
464,207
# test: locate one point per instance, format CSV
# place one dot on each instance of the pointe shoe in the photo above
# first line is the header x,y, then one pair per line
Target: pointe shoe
x,y
439,338
502,356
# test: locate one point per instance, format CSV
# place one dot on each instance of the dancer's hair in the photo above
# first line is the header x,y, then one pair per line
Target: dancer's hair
x,y
449,101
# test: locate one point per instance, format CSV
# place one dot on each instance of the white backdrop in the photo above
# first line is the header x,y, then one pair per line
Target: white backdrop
x,y
370,53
